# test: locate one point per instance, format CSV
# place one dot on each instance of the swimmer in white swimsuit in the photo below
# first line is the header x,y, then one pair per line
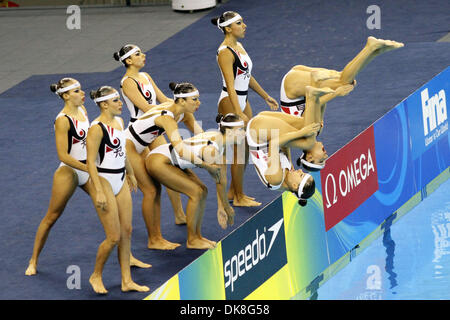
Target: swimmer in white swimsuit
x,y
294,82
138,89
314,154
268,148
236,70
163,119
166,166
112,177
186,101
71,128
141,94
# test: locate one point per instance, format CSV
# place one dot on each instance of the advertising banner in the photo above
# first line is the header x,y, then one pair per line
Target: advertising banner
x,y
349,178
427,112
254,252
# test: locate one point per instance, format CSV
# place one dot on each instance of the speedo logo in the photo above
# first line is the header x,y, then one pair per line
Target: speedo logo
x,y
251,254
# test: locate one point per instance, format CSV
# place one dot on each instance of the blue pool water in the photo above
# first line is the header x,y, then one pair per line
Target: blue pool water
x,y
410,260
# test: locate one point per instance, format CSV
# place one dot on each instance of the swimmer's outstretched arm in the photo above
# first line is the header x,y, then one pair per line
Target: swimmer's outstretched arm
x,y
305,132
211,157
95,135
132,182
302,139
171,128
287,152
222,200
339,92
273,174
225,212
191,123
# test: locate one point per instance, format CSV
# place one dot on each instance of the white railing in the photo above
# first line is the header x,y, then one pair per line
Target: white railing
x,y
49,3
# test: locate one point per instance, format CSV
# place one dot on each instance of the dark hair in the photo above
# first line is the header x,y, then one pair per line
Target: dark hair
x,y
64,82
308,191
122,52
101,92
227,15
182,87
229,117
305,165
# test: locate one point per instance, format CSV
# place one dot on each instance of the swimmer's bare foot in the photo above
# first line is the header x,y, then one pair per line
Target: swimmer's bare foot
x,y
137,263
243,201
161,244
245,197
97,284
132,286
231,195
212,243
380,45
31,270
180,218
199,243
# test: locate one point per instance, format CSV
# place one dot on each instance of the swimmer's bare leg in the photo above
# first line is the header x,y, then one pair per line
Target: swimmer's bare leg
x,y
373,48
313,104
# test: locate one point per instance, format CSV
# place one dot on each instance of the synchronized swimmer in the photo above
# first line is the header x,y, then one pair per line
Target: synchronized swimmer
x,y
236,70
108,160
141,94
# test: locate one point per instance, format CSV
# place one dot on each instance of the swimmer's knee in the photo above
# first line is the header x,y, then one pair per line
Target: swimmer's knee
x,y
126,231
198,193
51,217
151,191
113,239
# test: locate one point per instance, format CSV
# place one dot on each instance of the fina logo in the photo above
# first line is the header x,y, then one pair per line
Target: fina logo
x,y
434,112
249,256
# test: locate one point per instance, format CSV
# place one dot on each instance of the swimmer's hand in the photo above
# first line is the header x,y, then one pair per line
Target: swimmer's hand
x,y
100,201
273,104
230,213
132,183
213,170
345,89
311,129
225,216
